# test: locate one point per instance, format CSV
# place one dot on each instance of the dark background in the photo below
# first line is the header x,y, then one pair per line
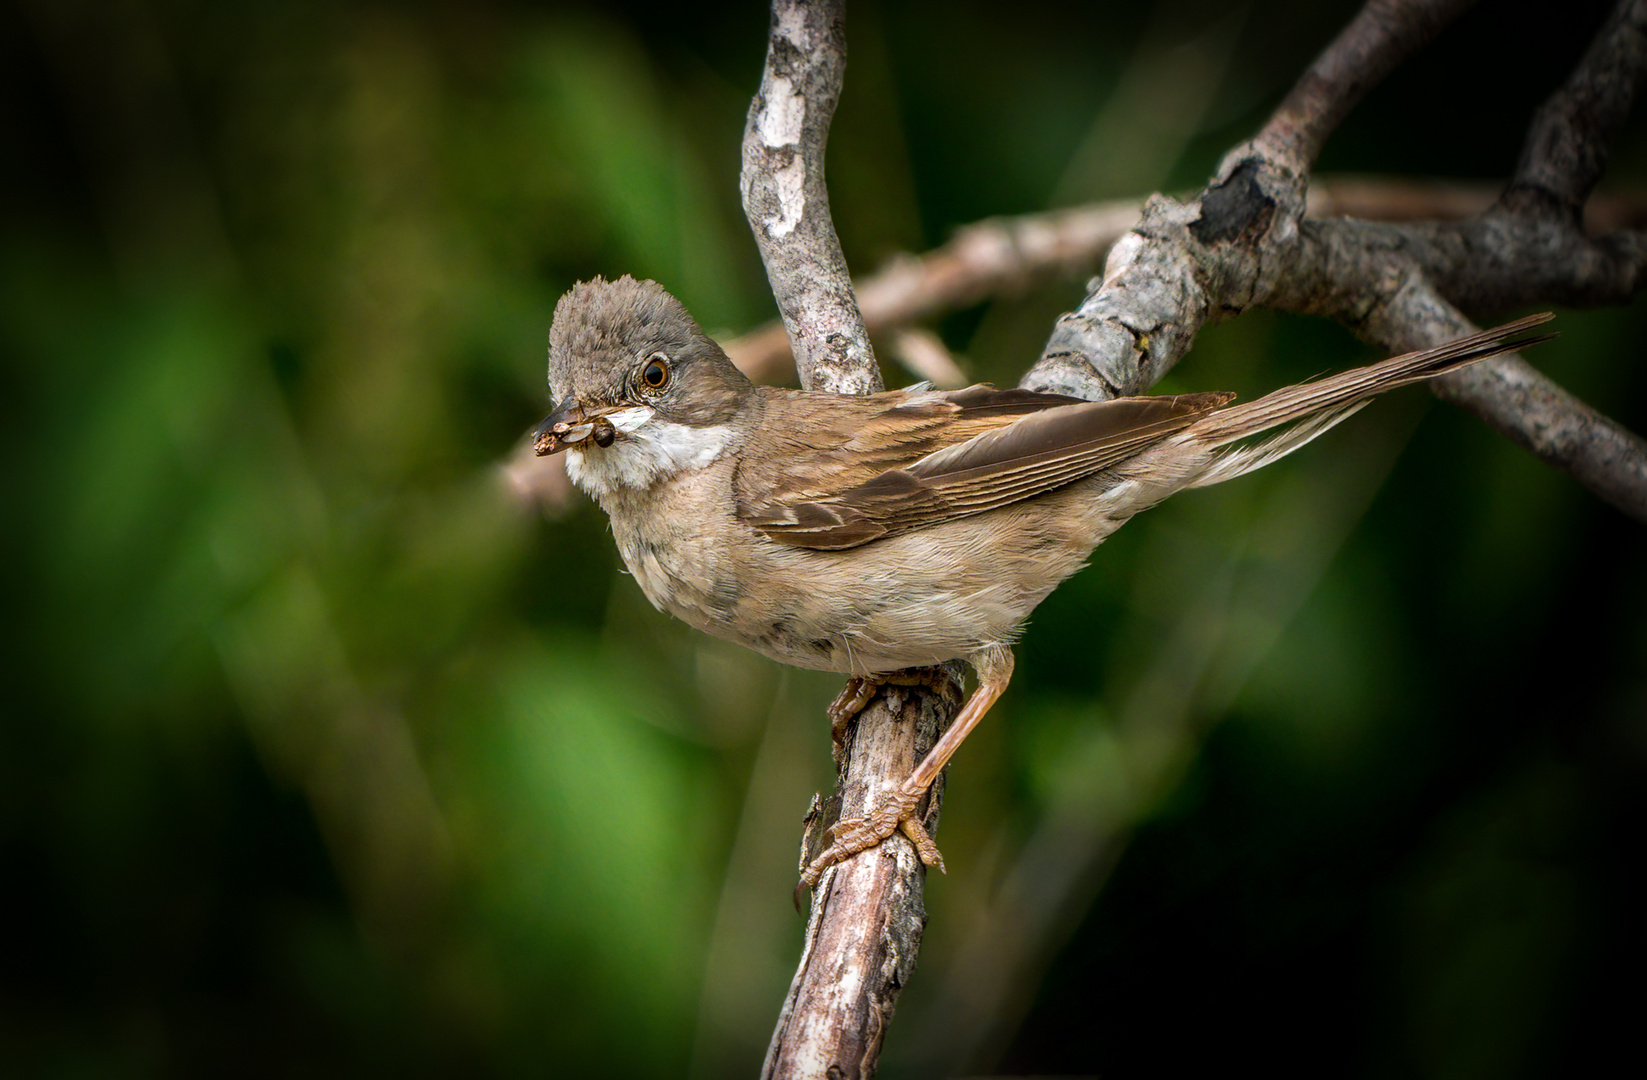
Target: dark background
x,y
324,755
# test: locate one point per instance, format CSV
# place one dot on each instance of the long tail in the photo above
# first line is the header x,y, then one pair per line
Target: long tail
x,y
1310,409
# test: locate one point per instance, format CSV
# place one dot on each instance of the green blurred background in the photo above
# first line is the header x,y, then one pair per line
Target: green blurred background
x,y
323,754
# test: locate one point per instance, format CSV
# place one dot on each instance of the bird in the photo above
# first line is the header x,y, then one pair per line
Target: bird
x,y
881,534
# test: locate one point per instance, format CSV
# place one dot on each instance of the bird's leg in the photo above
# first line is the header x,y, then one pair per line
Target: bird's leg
x,y
896,811
860,688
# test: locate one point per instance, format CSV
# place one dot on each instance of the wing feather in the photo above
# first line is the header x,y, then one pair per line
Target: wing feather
x,y
872,467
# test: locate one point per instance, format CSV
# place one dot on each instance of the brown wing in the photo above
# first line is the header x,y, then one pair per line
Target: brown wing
x,y
871,467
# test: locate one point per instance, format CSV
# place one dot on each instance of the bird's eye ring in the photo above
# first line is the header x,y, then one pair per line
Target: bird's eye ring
x,y
655,375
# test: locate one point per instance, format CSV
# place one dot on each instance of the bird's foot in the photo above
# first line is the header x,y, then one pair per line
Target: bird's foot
x,y
859,689
894,813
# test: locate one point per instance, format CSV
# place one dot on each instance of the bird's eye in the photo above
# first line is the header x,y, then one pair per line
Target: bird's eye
x,y
655,375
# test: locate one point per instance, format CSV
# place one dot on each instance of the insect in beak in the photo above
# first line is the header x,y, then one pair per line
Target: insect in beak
x,y
570,424
561,428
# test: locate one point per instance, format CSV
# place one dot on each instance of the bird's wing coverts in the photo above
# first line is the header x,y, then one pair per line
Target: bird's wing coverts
x,y
845,471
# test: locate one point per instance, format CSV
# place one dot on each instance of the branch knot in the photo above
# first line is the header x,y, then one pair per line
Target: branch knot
x,y
1236,209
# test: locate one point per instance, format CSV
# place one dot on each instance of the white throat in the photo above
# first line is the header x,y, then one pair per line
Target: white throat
x,y
646,451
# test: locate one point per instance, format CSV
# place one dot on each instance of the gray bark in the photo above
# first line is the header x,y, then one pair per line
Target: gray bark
x,y
1243,242
867,917
788,206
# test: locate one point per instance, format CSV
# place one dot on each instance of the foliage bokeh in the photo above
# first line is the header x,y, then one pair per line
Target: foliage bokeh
x,y
323,755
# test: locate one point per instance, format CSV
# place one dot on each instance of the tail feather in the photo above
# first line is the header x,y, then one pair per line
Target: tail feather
x,y
1232,461
1333,394
1310,409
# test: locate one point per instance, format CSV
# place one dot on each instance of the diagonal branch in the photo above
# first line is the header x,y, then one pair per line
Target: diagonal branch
x,y
1404,287
1380,37
1243,242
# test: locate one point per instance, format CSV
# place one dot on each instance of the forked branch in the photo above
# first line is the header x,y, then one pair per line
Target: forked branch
x,y
1244,242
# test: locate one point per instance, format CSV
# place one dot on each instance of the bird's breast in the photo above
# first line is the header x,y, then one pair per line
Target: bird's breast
x,y
908,600
682,545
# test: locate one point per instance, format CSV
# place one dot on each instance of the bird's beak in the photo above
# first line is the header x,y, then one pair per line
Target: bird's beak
x,y
566,425
572,423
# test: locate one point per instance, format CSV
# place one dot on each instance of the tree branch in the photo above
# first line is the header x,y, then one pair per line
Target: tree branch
x,y
787,204
1571,134
1243,242
867,917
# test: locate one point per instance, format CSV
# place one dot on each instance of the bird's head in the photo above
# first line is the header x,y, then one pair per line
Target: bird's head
x,y
642,392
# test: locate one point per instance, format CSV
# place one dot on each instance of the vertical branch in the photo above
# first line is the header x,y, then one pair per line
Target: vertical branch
x,y
788,206
867,916
867,913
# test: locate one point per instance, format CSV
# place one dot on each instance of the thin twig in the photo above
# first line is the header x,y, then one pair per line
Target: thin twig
x,y
1381,36
924,353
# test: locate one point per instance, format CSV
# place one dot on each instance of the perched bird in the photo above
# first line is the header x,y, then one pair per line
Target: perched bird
x,y
868,535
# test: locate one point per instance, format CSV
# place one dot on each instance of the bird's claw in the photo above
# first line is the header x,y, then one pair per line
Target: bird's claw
x,y
847,837
896,812
860,688
847,704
